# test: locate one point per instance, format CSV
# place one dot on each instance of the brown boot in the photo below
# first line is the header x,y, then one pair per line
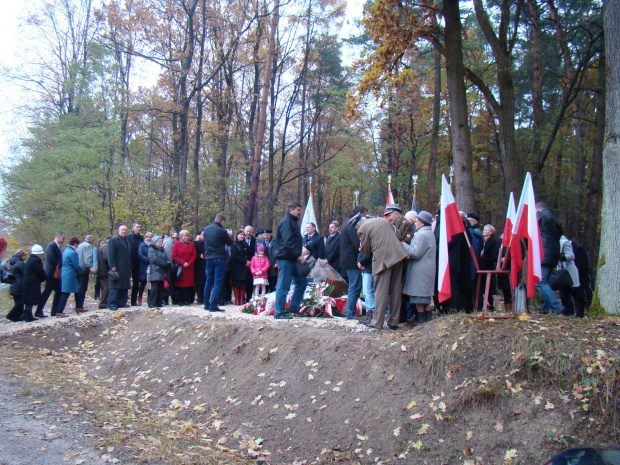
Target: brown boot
x,y
139,301
508,308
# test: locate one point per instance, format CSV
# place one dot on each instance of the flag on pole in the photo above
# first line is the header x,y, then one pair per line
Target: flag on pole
x,y
450,223
308,215
526,226
509,240
414,204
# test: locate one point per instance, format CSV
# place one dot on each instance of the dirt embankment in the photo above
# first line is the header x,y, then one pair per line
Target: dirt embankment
x,y
175,388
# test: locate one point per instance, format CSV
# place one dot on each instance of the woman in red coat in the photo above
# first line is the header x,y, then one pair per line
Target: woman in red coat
x,y
184,255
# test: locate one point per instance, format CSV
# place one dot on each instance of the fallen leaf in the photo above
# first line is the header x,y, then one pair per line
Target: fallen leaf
x,y
470,434
412,404
524,316
361,438
423,429
510,454
549,406
390,378
499,427
397,431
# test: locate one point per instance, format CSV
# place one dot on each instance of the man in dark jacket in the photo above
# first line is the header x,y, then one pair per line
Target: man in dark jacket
x,y
200,266
550,233
53,260
135,239
216,240
314,242
287,254
349,249
332,246
120,262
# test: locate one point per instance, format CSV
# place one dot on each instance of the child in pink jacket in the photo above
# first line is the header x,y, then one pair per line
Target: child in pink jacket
x,y
260,268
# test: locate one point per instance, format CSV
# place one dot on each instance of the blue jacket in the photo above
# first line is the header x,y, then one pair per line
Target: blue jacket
x,y
70,269
143,256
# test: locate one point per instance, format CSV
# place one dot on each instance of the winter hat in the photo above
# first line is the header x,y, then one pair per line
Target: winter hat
x,y
260,248
425,217
155,239
36,250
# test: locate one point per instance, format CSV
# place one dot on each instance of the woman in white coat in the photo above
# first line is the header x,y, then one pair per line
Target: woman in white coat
x,y
421,266
567,262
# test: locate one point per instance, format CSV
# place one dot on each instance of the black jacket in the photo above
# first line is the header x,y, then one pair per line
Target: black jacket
x,y
349,247
332,251
119,258
17,269
199,264
289,241
134,243
34,275
550,233
315,245
53,258
490,252
216,238
240,254
366,262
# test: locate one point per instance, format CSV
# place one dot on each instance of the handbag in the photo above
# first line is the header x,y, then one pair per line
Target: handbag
x,y
6,277
560,279
179,271
57,272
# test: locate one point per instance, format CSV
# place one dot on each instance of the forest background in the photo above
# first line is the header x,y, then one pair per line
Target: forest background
x,y
246,99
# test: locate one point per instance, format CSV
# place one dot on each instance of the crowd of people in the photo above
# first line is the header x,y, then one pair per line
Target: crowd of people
x,y
391,260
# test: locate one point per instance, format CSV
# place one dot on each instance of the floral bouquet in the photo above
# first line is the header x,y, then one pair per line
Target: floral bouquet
x,y
316,301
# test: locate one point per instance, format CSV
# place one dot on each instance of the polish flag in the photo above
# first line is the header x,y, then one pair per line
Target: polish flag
x,y
450,223
512,241
526,226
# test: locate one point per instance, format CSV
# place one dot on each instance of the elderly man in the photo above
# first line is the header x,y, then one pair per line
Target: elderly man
x,y
411,216
404,229
86,259
404,233
314,242
119,253
377,236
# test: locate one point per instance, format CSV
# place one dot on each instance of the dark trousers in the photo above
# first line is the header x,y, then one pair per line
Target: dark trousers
x,y
185,295
97,287
64,297
117,298
273,282
135,285
156,295
51,285
15,314
215,275
105,291
81,296
199,286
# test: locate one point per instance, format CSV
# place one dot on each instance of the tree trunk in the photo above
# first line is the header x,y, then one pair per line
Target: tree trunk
x,y
607,283
457,97
594,188
432,158
260,136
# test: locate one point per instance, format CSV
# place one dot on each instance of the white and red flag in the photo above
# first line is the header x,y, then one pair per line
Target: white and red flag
x,y
512,241
526,226
450,223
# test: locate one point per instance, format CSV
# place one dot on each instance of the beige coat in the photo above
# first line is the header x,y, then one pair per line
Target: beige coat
x,y
378,236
